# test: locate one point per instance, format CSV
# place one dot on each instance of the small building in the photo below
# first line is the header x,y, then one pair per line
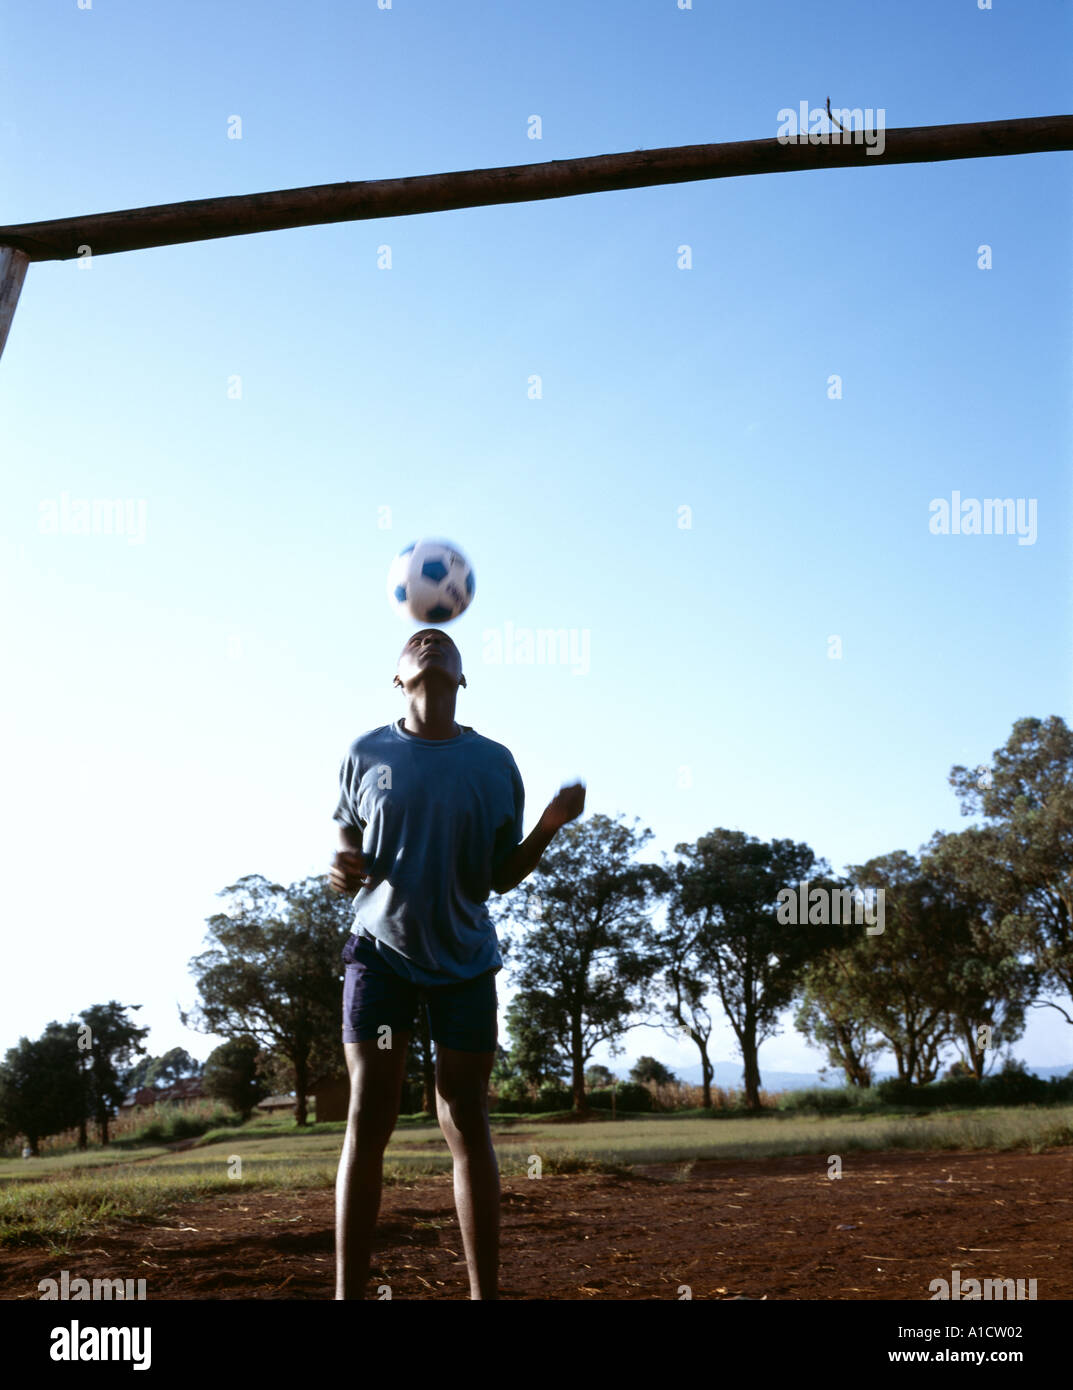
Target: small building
x,y
136,1099
270,1104
179,1093
189,1088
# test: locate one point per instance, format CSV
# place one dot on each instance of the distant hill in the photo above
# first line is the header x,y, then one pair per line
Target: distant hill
x,y
1048,1072
729,1075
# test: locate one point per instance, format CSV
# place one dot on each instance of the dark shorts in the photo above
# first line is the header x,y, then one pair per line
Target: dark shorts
x,y
460,1016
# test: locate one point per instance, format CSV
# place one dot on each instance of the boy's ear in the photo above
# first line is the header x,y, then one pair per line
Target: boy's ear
x,y
461,680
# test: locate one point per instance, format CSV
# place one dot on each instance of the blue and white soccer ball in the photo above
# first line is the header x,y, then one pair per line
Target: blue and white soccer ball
x,y
431,582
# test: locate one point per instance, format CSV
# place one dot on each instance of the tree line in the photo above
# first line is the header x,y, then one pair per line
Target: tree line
x,y
976,930
909,954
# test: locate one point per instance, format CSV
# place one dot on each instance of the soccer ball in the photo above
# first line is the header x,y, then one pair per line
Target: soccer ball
x,y
430,582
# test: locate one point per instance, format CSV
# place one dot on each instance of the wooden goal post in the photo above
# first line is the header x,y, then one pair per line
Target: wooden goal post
x,y
169,224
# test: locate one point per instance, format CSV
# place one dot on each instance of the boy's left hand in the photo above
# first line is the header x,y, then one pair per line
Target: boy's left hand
x,y
565,807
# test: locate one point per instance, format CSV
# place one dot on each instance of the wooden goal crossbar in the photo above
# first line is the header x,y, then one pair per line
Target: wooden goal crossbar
x,y
169,224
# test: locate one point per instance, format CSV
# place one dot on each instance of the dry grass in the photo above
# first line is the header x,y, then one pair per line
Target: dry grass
x,y
679,1095
59,1205
676,1096
129,1124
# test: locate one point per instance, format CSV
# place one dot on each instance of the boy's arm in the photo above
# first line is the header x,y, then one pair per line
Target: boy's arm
x,y
347,873
523,859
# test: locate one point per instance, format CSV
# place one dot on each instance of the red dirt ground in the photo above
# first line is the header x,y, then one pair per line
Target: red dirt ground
x,y
771,1228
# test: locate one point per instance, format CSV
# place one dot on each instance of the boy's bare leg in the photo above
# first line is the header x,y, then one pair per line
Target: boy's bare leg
x,y
376,1077
462,1108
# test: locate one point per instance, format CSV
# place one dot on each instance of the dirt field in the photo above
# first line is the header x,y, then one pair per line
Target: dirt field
x,y
772,1228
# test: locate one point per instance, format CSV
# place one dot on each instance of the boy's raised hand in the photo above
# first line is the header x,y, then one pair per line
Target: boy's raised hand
x,y
565,807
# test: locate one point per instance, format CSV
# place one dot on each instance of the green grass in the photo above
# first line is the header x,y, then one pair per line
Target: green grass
x,y
59,1198
166,1124
54,1213
21,1170
667,1139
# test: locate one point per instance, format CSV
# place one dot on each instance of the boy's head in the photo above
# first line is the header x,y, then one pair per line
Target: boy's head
x,y
429,654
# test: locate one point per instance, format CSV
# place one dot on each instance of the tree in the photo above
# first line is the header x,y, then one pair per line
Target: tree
x,y
276,1071
172,1067
598,1076
936,974
732,882
232,1073
420,1073
535,1054
136,1077
531,1059
989,985
503,1069
650,1069
114,1041
585,960
903,977
833,1012
1020,861
682,952
273,974
41,1085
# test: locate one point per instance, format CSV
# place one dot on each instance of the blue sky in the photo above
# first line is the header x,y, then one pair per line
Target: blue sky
x,y
178,699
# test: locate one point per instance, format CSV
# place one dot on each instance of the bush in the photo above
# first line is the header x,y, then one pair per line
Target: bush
x,y
517,1097
1062,1087
650,1069
629,1096
1016,1087
513,1094
165,1123
959,1090
824,1100
1011,1086
232,1075
553,1098
896,1092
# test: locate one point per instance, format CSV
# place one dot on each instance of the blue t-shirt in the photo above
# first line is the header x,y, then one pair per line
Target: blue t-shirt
x,y
437,817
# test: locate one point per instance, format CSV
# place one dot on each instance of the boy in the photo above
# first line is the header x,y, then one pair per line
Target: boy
x,y
430,820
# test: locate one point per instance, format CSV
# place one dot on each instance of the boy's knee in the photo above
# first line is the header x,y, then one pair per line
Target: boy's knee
x,y
369,1130
465,1111
374,1101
